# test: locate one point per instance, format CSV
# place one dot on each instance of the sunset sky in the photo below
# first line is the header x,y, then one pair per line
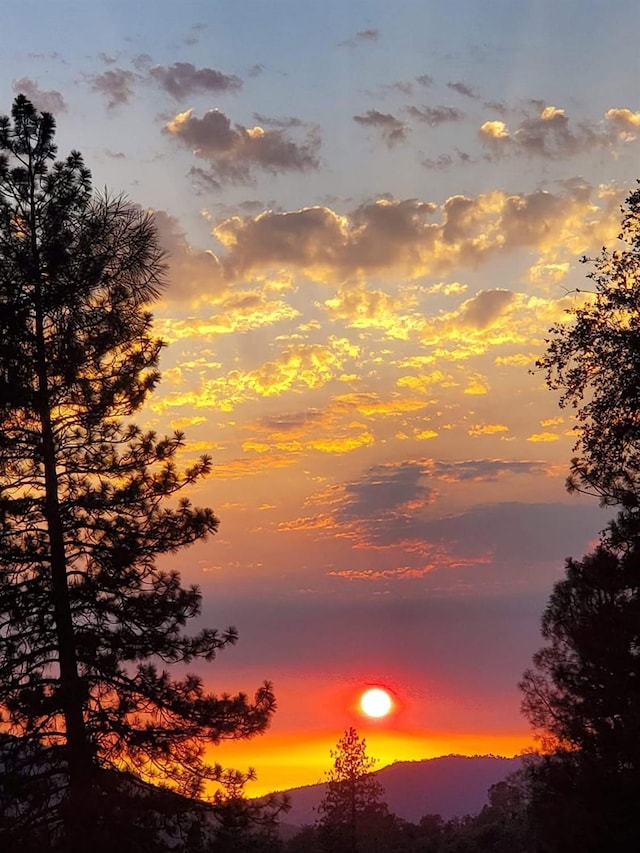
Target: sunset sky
x,y
373,213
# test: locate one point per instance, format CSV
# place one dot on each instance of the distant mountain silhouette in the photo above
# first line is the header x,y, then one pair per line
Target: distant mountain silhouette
x,y
451,786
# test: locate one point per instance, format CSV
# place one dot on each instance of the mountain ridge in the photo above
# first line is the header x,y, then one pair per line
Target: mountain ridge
x,y
450,785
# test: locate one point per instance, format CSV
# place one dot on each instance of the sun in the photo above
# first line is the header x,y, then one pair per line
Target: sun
x,y
376,702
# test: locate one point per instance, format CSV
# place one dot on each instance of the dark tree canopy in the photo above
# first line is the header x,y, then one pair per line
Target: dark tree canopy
x,y
583,692
595,363
88,622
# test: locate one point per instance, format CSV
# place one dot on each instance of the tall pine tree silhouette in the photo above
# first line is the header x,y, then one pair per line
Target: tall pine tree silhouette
x,y
88,502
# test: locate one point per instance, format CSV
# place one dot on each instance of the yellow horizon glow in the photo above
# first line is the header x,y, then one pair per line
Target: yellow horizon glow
x,y
284,761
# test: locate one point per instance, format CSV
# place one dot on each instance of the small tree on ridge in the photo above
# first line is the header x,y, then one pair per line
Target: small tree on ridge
x,y
353,799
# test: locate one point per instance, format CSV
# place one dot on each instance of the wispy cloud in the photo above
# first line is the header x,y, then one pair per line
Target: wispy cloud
x,y
49,100
183,79
391,129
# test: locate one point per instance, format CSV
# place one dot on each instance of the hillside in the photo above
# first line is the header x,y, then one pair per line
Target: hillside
x,y
451,786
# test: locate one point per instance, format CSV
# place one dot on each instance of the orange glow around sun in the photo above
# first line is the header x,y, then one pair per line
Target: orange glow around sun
x,y
376,702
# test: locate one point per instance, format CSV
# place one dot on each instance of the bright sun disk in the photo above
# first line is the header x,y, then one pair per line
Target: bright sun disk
x,y
376,702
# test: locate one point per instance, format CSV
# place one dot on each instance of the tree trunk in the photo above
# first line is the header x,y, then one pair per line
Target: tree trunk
x,y
79,756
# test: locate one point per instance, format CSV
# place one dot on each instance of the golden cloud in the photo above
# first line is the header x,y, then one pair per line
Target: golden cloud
x,y
494,130
543,437
299,366
240,312
364,309
487,429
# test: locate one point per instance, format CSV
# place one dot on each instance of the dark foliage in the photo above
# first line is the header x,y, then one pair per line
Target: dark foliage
x,y
595,363
583,692
88,503
583,697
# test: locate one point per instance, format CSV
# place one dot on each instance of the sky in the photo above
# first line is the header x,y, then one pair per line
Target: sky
x,y
373,212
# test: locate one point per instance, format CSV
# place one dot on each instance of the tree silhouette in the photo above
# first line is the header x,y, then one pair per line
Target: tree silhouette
x,y
243,825
352,808
595,363
583,697
87,504
583,692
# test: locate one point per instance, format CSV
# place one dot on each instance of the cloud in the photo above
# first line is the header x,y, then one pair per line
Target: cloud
x,y
543,437
362,308
446,161
282,122
298,367
425,80
486,429
463,89
551,134
385,492
233,152
401,235
391,129
50,100
336,428
183,79
367,35
240,312
481,310
485,470
494,130
116,85
625,122
435,115
390,509
192,273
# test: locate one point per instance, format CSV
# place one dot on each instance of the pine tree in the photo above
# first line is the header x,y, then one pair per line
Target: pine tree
x,y
352,805
88,502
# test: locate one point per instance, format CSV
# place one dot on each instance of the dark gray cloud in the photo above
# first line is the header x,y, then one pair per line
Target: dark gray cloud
x,y
280,122
487,470
519,534
117,85
463,89
446,161
50,100
425,80
367,35
391,128
235,151
435,115
384,491
183,79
